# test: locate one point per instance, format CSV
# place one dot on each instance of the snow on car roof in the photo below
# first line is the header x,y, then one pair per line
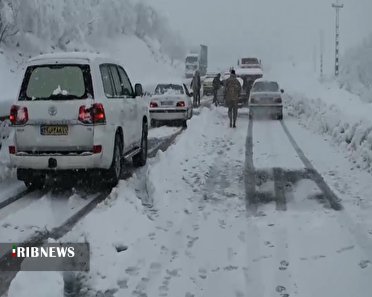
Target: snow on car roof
x,y
192,55
249,71
88,56
171,83
265,80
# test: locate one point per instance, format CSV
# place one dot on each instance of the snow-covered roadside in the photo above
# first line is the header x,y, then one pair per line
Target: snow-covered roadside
x,y
5,171
326,109
198,239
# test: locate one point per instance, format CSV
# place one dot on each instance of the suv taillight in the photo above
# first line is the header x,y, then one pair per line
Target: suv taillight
x,y
153,104
12,150
18,115
181,104
92,115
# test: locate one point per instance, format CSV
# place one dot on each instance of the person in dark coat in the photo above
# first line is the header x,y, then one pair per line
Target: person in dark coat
x,y
233,90
216,87
196,86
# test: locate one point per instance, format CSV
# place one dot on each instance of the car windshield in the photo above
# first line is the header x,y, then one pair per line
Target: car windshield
x,y
250,61
265,87
56,82
169,89
191,59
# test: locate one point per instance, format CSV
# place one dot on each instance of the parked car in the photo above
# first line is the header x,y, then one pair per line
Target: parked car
x,y
171,102
77,112
208,84
248,77
266,99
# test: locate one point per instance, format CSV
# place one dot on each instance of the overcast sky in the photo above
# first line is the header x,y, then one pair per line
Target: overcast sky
x,y
271,29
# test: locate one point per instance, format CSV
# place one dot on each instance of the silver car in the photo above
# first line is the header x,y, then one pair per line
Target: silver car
x,y
171,102
265,99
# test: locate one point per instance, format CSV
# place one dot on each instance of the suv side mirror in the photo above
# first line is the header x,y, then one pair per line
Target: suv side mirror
x,y
282,91
138,90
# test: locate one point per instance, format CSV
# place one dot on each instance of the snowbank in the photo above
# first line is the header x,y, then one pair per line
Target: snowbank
x,y
41,284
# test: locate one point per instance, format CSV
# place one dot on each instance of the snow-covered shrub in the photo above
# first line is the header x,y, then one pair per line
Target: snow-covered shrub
x,y
356,72
351,134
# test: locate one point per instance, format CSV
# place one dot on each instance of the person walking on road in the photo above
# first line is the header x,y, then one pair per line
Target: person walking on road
x,y
196,86
216,87
233,89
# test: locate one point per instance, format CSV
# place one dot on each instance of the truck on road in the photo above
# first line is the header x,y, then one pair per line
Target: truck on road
x,y
249,63
197,60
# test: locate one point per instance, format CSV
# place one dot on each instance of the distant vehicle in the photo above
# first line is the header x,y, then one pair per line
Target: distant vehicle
x,y
208,84
77,112
249,63
248,76
266,99
197,60
171,102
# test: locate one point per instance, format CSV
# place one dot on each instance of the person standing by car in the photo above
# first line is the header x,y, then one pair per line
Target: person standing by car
x,y
233,89
196,86
216,86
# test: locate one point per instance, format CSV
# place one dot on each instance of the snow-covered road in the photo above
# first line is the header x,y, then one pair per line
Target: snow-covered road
x,y
235,212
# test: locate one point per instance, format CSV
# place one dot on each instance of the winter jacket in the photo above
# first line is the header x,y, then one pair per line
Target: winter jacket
x,y
233,88
195,83
216,83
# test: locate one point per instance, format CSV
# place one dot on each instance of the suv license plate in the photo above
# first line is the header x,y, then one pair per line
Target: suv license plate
x,y
54,130
167,103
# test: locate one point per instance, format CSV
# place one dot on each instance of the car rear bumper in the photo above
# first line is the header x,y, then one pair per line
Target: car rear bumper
x,y
169,114
58,162
273,109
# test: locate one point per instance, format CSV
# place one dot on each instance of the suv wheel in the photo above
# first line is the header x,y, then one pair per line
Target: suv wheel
x,y
33,180
184,124
115,170
32,184
141,158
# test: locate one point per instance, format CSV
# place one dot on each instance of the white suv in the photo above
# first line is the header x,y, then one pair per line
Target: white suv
x,y
77,112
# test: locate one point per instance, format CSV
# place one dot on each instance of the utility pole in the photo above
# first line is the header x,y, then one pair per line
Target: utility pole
x,y
321,35
337,6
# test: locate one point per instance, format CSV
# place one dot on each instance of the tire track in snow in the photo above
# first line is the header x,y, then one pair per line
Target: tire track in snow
x,y
250,176
314,174
58,232
14,198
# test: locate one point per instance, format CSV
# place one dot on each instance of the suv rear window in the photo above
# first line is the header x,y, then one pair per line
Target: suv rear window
x,y
57,82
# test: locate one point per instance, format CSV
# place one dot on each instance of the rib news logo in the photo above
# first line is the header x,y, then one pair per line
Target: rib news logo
x,y
43,252
47,257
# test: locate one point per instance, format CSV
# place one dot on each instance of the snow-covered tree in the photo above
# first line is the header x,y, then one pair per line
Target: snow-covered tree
x,y
59,22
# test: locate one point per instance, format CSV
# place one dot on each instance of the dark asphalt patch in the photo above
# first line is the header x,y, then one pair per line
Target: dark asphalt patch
x,y
249,172
283,179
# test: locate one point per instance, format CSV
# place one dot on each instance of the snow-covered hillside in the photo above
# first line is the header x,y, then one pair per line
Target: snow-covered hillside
x,y
134,34
131,32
